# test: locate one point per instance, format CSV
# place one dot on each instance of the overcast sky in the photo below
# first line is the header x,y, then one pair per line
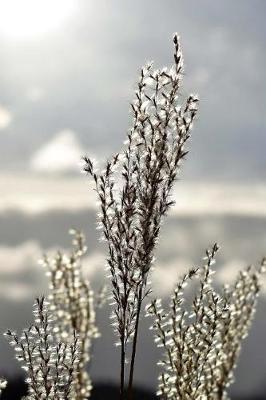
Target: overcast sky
x,y
80,78
66,80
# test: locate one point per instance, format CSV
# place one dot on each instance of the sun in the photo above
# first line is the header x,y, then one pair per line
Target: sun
x,y
28,19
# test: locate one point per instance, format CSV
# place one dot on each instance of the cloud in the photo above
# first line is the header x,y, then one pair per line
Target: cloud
x,y
5,117
94,265
227,274
220,199
37,193
60,154
21,276
229,271
15,291
166,275
34,194
83,93
14,260
19,272
35,93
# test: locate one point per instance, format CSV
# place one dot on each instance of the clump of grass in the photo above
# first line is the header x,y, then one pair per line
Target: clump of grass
x,y
202,342
135,193
72,304
51,366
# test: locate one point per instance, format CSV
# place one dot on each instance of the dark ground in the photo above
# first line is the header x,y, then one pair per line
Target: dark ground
x,y
17,388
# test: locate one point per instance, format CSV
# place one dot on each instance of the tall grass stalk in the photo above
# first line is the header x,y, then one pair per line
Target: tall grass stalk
x,y
135,194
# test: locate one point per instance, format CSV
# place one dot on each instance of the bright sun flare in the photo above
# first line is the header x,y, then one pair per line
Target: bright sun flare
x,y
22,19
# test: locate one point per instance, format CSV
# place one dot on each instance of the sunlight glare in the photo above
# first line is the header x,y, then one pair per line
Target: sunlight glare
x,y
26,19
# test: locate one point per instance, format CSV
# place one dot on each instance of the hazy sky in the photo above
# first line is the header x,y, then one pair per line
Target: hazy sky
x,y
80,77
67,75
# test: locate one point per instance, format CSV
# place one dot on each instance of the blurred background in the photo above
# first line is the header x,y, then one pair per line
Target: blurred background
x,y
67,75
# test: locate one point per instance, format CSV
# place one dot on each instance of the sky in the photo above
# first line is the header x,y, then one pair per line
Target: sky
x,y
80,77
67,77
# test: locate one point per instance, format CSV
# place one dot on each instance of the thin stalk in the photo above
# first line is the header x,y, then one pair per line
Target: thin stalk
x,y
122,369
134,346
123,355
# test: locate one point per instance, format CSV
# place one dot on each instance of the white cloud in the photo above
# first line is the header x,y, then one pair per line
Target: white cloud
x,y
21,276
14,260
228,273
61,154
37,194
15,291
33,193
166,275
35,93
16,264
94,265
5,117
17,259
219,199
